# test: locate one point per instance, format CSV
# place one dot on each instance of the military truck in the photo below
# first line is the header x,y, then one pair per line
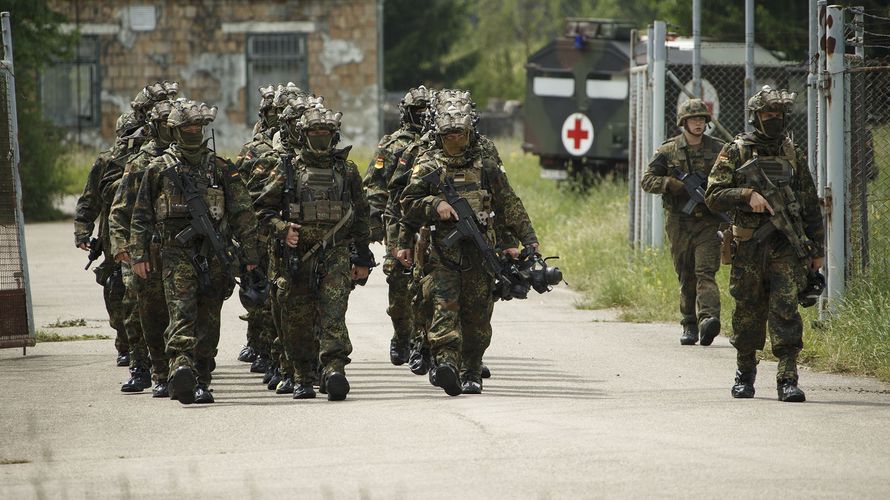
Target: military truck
x,y
576,107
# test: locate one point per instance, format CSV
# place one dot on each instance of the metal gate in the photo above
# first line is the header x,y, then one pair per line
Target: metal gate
x,y
16,318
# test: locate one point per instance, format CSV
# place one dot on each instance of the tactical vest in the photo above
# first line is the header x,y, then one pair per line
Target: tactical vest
x,y
677,156
170,204
471,183
779,169
320,196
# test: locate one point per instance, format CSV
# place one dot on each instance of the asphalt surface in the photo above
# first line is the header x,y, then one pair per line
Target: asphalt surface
x,y
578,406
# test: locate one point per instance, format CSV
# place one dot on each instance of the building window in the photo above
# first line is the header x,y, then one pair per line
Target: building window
x,y
272,59
69,90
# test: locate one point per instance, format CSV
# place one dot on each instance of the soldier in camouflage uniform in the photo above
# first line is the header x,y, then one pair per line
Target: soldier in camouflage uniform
x,y
96,201
152,305
691,228
267,356
196,279
460,288
282,378
384,226
772,258
315,207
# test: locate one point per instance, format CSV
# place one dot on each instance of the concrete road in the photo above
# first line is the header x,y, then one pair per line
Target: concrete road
x,y
579,406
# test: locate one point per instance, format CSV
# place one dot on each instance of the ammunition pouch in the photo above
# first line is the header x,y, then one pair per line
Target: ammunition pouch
x,y
315,212
742,234
727,248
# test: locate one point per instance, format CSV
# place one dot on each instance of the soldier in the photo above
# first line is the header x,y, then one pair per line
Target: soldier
x,y
196,202
691,227
152,308
763,180
460,288
281,380
96,203
384,225
315,207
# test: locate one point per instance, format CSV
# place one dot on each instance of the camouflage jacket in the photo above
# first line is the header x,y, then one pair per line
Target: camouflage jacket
x,y
726,190
390,152
125,197
676,153
160,209
270,202
420,199
251,151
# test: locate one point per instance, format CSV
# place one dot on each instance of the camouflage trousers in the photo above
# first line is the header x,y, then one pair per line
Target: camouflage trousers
x,y
765,280
113,291
193,332
400,309
312,323
420,289
460,330
695,251
261,330
139,357
154,318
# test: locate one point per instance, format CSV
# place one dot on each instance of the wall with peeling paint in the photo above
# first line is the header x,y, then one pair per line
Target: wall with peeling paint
x,y
202,44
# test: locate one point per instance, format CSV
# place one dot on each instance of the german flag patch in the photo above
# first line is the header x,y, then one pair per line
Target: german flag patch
x,y
378,163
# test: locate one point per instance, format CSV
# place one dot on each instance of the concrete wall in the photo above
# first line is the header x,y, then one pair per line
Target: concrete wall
x,y
202,44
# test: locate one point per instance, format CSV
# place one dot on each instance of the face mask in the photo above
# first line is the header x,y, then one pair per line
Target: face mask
x,y
270,118
165,135
189,140
319,143
415,116
455,147
773,128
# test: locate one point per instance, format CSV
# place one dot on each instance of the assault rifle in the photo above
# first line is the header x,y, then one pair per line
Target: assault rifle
x,y
694,184
786,208
467,227
95,252
200,226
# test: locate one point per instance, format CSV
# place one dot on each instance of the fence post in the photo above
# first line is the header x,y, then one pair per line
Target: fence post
x,y
658,88
821,114
812,73
835,186
749,55
696,49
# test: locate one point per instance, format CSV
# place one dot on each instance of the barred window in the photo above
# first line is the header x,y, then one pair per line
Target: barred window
x,y
272,59
69,90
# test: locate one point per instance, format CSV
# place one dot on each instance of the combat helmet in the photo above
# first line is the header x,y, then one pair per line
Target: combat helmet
x,y
157,121
127,124
453,111
412,106
289,118
769,99
692,108
283,94
152,94
187,112
318,117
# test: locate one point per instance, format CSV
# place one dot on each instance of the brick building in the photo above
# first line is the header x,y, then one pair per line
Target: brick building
x,y
219,51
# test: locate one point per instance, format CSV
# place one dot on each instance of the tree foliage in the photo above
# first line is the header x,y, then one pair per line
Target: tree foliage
x,y
37,38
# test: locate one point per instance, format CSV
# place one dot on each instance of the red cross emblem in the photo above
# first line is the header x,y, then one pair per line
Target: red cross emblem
x,y
577,134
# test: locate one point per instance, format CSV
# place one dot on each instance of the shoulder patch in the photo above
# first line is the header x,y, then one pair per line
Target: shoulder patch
x,y
378,163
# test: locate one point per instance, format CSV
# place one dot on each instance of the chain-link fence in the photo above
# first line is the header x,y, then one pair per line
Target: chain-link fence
x,y
868,175
16,321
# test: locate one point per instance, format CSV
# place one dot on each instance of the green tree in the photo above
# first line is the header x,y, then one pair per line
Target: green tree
x,y
416,39
37,38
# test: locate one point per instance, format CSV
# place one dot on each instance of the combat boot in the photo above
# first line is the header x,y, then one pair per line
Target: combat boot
x,y
690,335
270,372
261,365
398,352
336,386
744,384
286,386
471,384
273,382
445,376
710,328
140,379
160,390
419,360
484,372
304,390
203,395
247,354
182,385
789,392
123,358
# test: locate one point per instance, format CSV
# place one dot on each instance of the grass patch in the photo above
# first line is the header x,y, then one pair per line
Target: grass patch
x,y
44,336
75,168
68,323
13,461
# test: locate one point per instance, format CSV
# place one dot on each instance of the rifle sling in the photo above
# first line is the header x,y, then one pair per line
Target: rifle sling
x,y
323,243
